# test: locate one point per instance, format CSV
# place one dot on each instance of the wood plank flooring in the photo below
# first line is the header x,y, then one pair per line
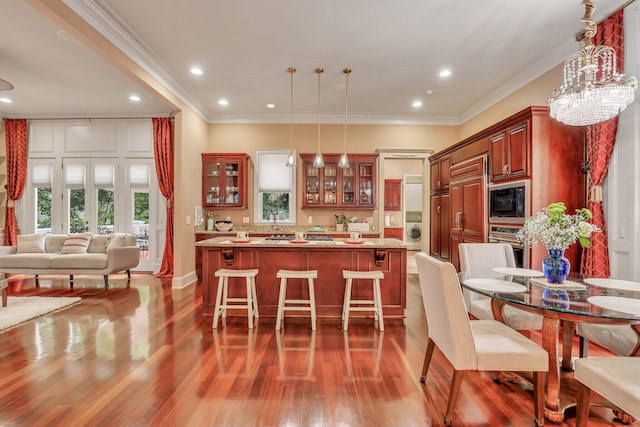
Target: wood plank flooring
x,y
144,355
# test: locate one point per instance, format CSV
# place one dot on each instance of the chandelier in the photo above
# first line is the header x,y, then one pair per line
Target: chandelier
x,y
592,91
344,160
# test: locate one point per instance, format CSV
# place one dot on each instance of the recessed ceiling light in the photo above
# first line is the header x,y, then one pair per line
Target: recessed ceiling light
x,y
271,106
417,104
197,71
134,98
445,73
429,92
67,37
223,102
6,100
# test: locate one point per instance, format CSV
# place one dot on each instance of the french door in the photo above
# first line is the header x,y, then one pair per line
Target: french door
x,y
101,196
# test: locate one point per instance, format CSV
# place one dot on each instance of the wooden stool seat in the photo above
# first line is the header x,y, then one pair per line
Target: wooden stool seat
x,y
222,296
374,305
300,304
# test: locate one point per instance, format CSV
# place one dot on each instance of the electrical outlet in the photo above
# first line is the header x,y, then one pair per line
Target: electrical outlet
x,y
245,220
188,219
228,218
310,220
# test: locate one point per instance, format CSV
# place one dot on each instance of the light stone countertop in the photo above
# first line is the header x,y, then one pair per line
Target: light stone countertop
x,y
336,243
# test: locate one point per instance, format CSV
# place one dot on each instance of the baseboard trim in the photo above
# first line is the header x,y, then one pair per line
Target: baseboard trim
x,y
184,281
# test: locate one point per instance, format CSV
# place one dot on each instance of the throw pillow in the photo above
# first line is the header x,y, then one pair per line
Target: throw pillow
x,y
99,243
117,240
76,243
30,243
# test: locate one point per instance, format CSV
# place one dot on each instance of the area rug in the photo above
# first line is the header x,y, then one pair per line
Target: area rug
x,y
21,309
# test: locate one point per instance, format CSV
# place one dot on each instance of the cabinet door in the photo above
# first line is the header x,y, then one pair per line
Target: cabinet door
x,y
440,177
224,181
498,163
312,184
472,221
366,181
434,229
445,226
517,151
392,194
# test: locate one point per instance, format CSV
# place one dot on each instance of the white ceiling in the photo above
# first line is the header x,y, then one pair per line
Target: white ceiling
x,y
395,49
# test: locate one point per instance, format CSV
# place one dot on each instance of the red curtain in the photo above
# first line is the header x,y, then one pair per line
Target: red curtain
x,y
163,154
601,139
16,139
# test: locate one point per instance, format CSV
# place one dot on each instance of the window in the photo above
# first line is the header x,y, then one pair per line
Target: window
x,y
104,183
275,188
74,179
41,181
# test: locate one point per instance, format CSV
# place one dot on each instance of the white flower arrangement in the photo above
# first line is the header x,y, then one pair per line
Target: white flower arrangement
x,y
556,230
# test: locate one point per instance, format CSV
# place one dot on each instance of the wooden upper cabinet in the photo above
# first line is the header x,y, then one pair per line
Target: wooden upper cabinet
x,y
509,153
392,194
333,187
224,180
440,177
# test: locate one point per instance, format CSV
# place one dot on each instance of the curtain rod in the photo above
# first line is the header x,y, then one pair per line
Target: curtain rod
x,y
4,119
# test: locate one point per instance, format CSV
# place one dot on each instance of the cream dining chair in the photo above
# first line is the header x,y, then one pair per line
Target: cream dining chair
x,y
487,256
473,345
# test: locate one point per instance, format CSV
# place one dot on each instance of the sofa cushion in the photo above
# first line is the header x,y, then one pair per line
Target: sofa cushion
x,y
99,244
76,243
117,240
80,261
54,242
31,261
30,243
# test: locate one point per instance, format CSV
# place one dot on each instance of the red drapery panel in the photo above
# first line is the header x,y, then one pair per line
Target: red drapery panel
x,y
601,139
16,138
163,154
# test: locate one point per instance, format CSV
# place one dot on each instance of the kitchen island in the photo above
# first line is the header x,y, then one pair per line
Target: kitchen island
x,y
328,257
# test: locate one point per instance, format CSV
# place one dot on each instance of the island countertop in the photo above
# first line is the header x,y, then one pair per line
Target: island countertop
x,y
264,243
328,258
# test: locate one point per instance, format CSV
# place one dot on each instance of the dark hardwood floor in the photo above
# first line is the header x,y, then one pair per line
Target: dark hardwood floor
x,y
144,355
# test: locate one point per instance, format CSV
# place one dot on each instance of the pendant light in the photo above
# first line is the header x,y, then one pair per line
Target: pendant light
x,y
344,160
318,161
291,160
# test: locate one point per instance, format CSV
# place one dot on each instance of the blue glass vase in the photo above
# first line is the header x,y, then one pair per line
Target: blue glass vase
x,y
555,266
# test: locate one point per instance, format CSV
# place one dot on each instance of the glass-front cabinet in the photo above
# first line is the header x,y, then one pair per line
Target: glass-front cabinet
x,y
350,188
224,180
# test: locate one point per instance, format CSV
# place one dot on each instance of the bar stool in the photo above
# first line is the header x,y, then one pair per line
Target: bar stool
x,y
222,295
375,305
309,304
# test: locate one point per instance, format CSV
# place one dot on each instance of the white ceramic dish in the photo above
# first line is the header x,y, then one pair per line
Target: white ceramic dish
x,y
623,285
495,285
621,304
522,272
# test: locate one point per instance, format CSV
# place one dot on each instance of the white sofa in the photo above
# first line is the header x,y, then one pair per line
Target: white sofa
x,y
55,254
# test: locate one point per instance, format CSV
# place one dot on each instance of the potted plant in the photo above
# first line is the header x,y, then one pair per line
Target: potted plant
x,y
557,230
341,221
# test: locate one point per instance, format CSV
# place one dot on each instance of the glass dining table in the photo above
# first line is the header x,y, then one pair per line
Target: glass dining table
x,y
578,299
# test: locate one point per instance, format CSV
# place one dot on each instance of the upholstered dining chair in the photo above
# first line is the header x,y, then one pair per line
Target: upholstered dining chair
x,y
487,256
472,345
617,379
620,339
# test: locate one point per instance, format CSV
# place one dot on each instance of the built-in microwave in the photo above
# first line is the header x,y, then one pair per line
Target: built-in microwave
x,y
509,202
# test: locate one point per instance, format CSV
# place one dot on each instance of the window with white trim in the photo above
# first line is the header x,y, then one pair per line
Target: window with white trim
x,y
275,189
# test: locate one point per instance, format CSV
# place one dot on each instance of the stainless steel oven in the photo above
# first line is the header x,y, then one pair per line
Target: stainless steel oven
x,y
507,234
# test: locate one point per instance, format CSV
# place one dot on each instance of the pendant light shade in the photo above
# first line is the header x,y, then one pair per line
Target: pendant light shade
x,y
318,161
344,160
291,160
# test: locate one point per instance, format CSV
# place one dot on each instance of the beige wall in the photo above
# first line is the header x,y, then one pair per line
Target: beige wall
x,y
535,93
360,139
